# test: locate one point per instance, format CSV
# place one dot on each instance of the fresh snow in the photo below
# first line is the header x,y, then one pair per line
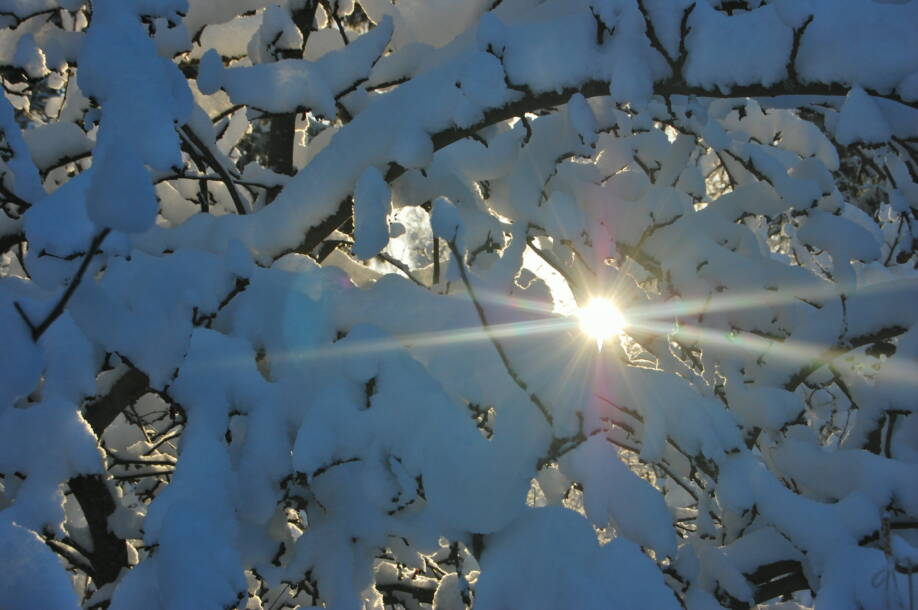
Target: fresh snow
x,y
400,411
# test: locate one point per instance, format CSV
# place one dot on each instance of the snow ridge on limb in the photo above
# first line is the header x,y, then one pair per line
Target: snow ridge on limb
x,y
287,397
527,93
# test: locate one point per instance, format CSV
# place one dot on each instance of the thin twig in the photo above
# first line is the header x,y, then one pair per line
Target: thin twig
x,y
551,262
39,330
74,557
497,345
334,15
401,267
205,152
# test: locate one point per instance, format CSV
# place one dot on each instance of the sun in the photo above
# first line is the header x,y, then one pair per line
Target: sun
x,y
601,320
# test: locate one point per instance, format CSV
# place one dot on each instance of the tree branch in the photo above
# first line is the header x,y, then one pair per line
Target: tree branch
x,y
283,126
12,197
39,330
840,350
10,240
211,160
497,345
101,412
532,102
109,552
72,555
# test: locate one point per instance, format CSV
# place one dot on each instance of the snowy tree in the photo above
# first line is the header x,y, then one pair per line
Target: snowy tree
x,y
491,303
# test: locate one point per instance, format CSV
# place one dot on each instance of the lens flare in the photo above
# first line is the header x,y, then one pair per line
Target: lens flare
x,y
601,320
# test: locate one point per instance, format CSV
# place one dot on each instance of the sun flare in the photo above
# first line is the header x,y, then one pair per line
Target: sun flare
x,y
601,320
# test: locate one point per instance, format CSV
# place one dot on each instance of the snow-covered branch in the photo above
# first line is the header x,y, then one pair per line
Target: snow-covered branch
x,y
299,304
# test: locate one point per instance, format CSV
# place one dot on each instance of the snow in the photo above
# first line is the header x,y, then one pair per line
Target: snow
x,y
435,23
908,88
819,529
276,33
754,198
29,57
71,361
582,119
202,12
194,563
22,179
766,408
835,475
714,38
23,8
880,304
286,85
627,185
612,491
229,39
861,120
452,431
124,199
521,566
445,221
171,39
46,466
33,575
151,99
59,224
371,213
877,50
105,311
759,548
667,17
54,143
412,149
21,361
551,55
861,578
843,239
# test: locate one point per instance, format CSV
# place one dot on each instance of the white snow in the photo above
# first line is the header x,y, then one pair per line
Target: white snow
x,y
868,44
371,212
123,198
713,61
33,575
520,567
53,143
286,85
443,430
22,177
861,120
612,491
445,221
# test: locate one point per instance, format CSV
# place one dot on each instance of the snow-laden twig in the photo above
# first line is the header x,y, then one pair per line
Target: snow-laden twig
x,y
543,409
39,329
